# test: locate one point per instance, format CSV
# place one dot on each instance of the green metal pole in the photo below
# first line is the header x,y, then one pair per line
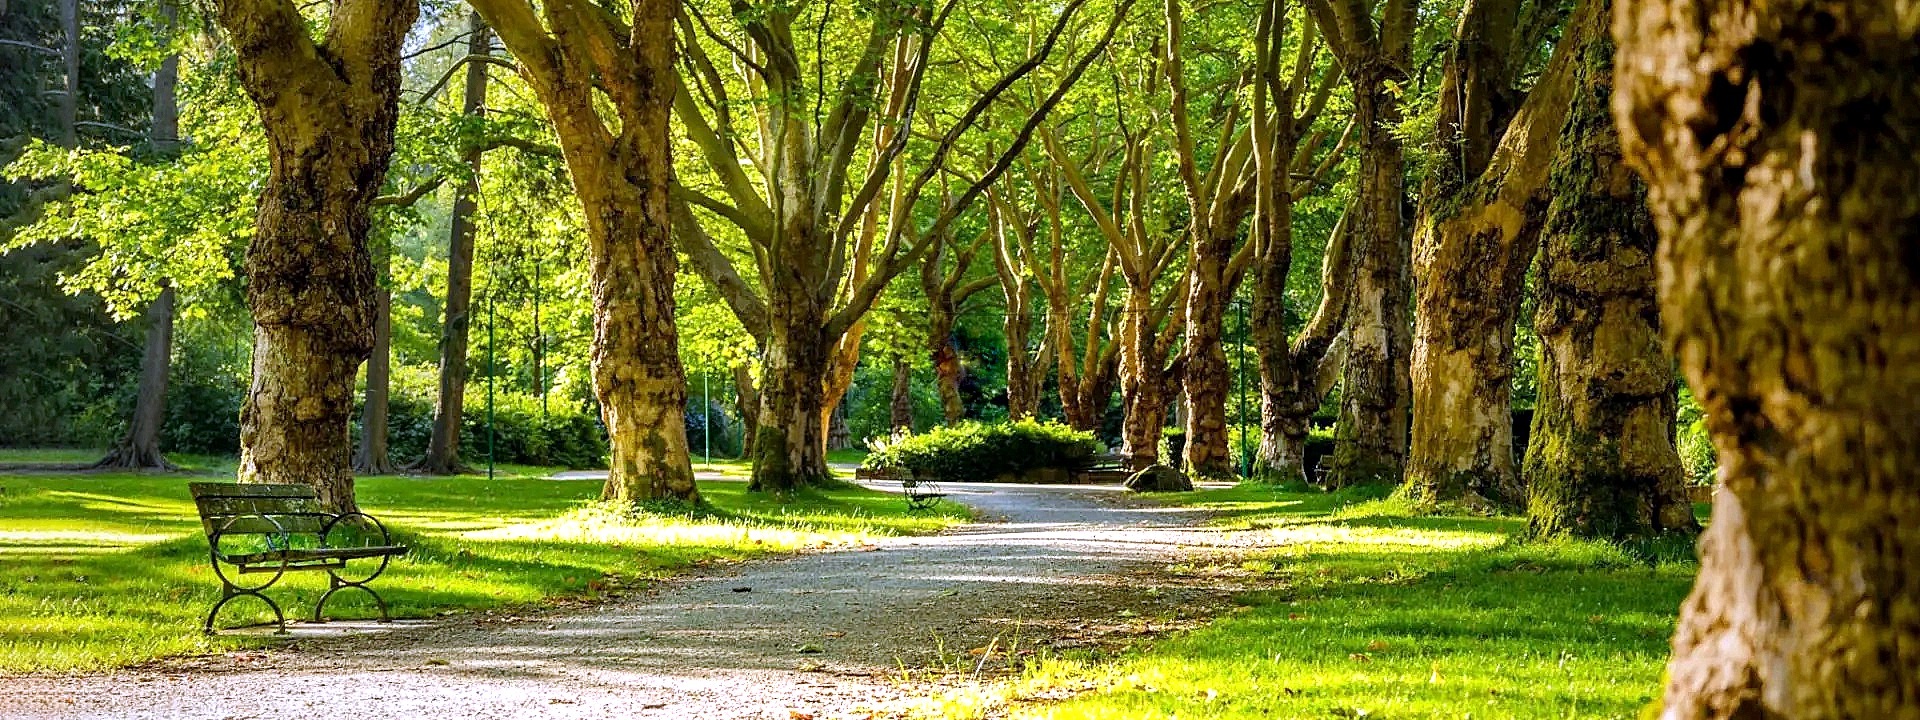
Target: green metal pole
x,y
490,373
706,415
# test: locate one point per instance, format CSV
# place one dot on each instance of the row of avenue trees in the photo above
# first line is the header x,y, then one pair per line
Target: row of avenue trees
x,y
1427,211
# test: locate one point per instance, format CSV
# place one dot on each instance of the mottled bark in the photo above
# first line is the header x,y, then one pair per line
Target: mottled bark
x,y
839,436
443,446
1483,204
1294,375
790,450
621,174
900,409
371,457
140,447
329,111
1144,380
1371,435
1777,143
1601,461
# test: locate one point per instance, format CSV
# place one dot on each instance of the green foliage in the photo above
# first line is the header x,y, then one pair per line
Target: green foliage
x,y
980,452
1697,454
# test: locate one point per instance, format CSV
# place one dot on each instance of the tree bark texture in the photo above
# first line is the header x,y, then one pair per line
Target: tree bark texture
x,y
1371,435
1484,202
443,446
622,174
1144,380
329,111
790,447
1602,461
1777,140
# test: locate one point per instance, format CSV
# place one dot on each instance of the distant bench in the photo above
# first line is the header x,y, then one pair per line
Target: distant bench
x,y
285,530
920,494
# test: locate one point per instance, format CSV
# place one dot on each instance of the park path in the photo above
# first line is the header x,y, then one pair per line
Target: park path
x,y
822,635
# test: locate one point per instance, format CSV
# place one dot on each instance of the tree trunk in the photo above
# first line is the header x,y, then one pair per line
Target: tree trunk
x,y
1776,140
372,457
1143,381
140,448
1602,462
1371,436
789,453
839,436
310,280
901,408
1485,201
746,402
443,446
1207,378
946,365
621,173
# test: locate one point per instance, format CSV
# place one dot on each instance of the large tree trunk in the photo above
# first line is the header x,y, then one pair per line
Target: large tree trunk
x,y
789,453
372,458
839,436
140,447
1777,142
1485,200
1207,378
443,446
1371,435
621,174
1602,461
901,407
1143,381
329,127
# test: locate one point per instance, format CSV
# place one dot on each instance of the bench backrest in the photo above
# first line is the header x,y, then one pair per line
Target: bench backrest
x,y
237,508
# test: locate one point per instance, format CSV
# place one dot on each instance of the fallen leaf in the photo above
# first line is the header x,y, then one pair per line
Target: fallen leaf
x,y
1377,645
797,715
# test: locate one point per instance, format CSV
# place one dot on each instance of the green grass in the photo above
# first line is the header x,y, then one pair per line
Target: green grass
x,y
1374,612
105,570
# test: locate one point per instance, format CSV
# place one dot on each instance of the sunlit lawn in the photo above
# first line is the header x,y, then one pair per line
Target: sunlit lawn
x,y
101,570
1374,613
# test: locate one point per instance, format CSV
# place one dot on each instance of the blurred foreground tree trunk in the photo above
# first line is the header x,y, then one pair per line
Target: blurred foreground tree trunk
x,y
1779,145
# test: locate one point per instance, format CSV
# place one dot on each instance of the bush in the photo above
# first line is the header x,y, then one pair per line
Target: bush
x,y
978,452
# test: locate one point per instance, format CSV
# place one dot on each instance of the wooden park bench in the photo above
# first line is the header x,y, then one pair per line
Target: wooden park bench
x,y
271,530
1104,469
920,494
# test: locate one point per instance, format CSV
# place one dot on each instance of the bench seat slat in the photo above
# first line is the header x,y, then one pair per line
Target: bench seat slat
x,y
259,506
250,490
255,525
299,555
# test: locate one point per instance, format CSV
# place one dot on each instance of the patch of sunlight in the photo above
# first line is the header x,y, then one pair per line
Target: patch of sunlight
x,y
34,540
1380,537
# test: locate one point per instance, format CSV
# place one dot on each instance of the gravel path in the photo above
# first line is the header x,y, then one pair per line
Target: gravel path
x,y
822,635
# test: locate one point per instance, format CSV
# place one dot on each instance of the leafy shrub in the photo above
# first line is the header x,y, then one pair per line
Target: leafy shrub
x,y
976,452
1697,455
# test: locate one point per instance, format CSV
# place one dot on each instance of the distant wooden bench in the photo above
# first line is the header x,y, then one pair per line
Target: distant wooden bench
x,y
920,494
1104,469
276,529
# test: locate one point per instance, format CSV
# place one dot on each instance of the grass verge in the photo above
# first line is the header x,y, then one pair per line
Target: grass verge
x,y
1372,612
99,570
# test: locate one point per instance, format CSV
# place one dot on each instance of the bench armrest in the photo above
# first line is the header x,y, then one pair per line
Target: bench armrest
x,y
386,538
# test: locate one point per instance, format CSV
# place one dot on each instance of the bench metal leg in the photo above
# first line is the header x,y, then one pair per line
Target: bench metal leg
x,y
231,592
335,584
